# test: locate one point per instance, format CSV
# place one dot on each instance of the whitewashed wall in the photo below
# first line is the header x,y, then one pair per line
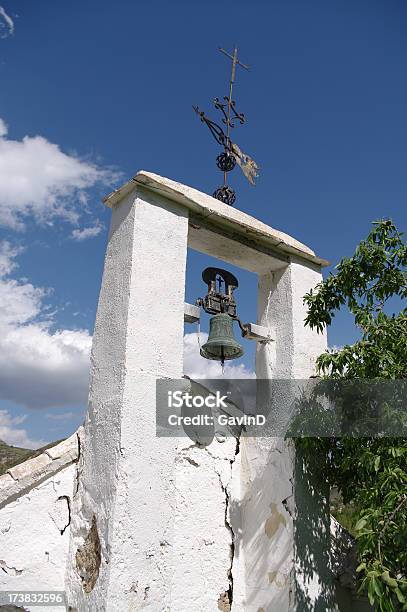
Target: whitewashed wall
x,y
161,524
35,502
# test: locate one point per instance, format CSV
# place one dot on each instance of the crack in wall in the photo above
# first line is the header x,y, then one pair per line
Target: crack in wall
x,y
191,461
9,569
68,503
289,502
225,600
285,502
78,470
232,549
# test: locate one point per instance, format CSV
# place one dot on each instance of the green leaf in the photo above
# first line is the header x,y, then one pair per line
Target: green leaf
x,y
377,587
370,473
370,593
360,524
391,582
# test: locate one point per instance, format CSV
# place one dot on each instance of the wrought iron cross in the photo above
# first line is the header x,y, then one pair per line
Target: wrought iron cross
x,y
235,62
226,161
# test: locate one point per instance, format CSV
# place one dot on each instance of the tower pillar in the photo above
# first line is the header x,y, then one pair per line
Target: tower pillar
x,y
161,523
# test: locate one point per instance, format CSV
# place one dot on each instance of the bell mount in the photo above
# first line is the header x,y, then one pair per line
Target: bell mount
x,y
220,300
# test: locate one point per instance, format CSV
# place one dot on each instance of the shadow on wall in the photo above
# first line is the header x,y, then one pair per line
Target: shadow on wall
x,y
314,548
282,490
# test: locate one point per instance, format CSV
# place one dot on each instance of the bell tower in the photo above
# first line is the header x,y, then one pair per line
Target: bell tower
x,y
160,523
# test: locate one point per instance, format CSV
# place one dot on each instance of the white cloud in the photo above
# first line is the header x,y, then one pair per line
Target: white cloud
x,y
45,368
88,232
6,24
7,255
196,367
39,367
12,434
38,179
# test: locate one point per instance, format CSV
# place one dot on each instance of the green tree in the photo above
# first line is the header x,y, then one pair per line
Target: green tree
x,y
370,472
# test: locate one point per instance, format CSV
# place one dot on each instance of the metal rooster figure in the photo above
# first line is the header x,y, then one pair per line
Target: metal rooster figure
x,y
232,154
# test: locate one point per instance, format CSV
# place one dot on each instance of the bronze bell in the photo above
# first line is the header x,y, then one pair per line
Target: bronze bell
x,y
221,344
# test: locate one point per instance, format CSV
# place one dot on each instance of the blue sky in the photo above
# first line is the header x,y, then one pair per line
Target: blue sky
x,y
109,88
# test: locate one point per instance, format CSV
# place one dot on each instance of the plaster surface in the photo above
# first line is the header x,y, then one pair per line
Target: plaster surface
x,y
159,524
268,508
35,515
227,217
126,480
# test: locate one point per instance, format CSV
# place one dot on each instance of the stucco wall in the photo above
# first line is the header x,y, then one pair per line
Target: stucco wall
x,y
35,501
126,485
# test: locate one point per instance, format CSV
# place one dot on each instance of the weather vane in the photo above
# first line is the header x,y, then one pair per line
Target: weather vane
x,y
226,161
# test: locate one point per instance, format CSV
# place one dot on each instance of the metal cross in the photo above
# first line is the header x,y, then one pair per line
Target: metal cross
x,y
231,155
235,62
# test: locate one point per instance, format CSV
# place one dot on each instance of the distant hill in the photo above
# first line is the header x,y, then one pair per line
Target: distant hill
x,y
13,455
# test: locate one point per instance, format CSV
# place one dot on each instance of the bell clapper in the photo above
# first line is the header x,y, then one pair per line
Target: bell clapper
x,y
222,360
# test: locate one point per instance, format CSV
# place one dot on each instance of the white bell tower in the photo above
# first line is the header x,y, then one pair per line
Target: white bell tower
x,y
159,523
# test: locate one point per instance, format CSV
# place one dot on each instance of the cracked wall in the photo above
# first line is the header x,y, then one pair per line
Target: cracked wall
x,y
34,536
204,530
126,473
179,528
269,511
267,524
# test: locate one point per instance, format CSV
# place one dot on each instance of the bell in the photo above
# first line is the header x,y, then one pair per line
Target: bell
x,y
221,344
